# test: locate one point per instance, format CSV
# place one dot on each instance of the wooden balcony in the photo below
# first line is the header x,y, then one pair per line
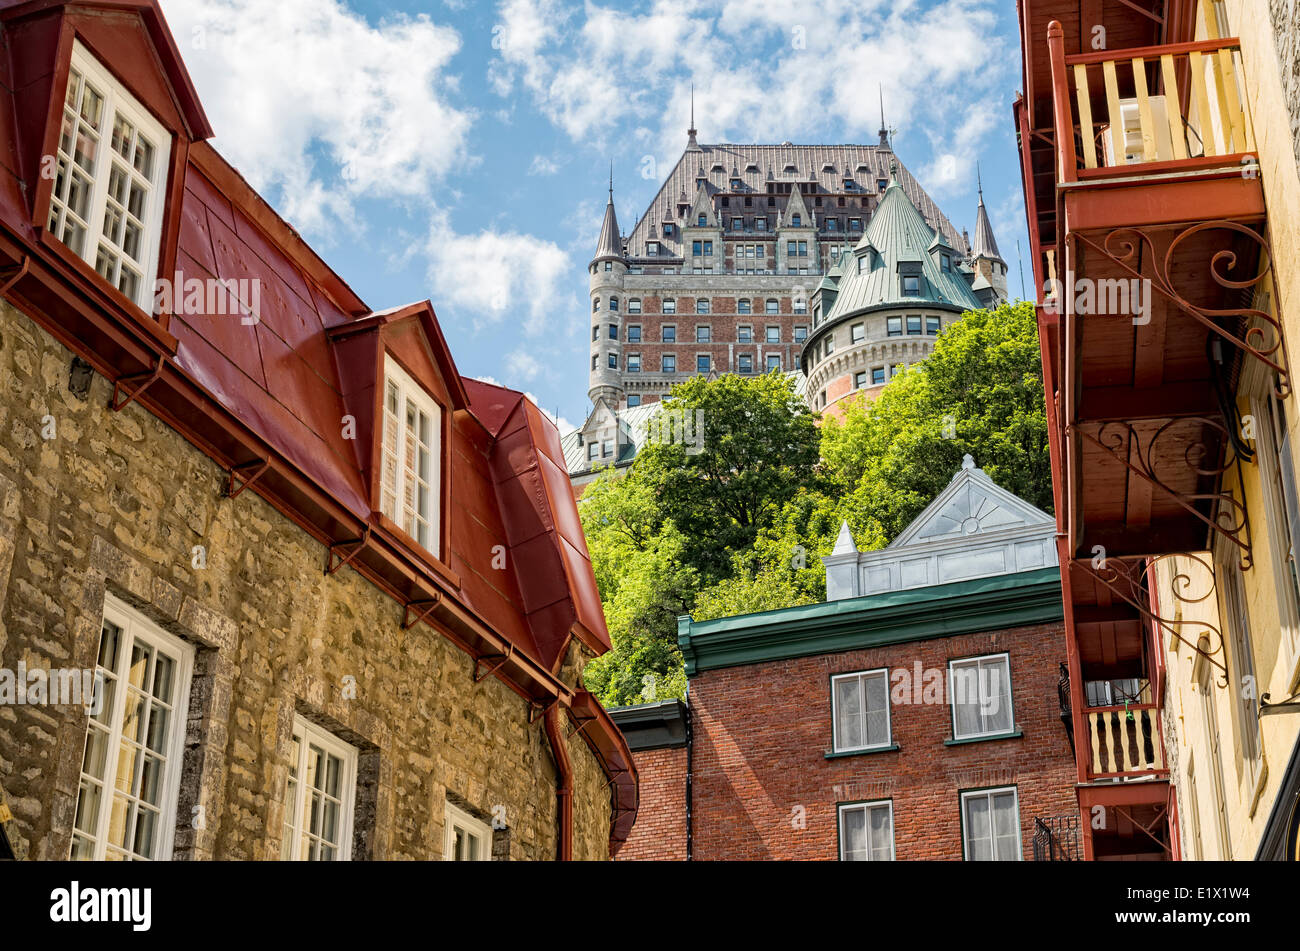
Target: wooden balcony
x,y
1124,741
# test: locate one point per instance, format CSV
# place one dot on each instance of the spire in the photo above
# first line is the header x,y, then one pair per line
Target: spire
x,y
610,244
985,246
691,144
884,129
844,541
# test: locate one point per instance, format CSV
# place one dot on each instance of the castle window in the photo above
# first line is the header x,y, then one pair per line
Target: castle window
x,y
913,326
737,224
593,450
773,306
411,476
945,262
708,249
634,332
736,184
882,184
702,221
634,305
595,333
830,344
772,334
319,797
745,363
877,376
669,364
894,326
634,400
110,185
860,379
760,224
634,363
613,303
126,806
774,362
857,333
668,229
609,265
801,333
855,224
832,224
652,247
607,448
860,710
796,221
863,265
742,306
696,248
670,305
702,363
801,305
911,285
702,305
595,304
744,333
703,333
867,832
613,331
932,326
668,333
595,361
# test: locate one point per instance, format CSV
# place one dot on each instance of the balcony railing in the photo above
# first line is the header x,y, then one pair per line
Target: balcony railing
x,y
1159,107
1056,839
1124,740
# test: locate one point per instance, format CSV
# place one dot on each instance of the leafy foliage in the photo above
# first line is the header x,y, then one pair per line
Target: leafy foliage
x,y
740,525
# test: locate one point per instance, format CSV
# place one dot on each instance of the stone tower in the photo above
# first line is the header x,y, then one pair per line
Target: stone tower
x,y
985,259
608,270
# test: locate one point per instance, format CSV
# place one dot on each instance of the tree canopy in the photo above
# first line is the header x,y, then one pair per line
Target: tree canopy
x,y
736,520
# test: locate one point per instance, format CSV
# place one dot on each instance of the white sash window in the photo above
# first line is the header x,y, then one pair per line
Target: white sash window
x,y
411,478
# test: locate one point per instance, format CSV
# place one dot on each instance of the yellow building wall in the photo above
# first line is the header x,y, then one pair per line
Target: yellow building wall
x,y
1245,800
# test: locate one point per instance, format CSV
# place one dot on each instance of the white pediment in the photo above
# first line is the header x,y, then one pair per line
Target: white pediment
x,y
971,505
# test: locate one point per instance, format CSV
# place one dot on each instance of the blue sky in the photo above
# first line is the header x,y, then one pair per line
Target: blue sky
x,y
459,150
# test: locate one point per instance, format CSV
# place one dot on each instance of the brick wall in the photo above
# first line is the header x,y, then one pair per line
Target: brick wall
x,y
762,731
660,830
94,503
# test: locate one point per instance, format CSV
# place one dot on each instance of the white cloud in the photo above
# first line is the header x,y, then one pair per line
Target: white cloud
x,y
501,278
308,98
543,165
522,365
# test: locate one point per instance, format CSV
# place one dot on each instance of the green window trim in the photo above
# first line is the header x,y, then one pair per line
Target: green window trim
x,y
840,754
1009,735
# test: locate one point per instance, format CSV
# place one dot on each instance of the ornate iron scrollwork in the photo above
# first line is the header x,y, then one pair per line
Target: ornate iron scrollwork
x,y
1133,582
1228,517
1265,343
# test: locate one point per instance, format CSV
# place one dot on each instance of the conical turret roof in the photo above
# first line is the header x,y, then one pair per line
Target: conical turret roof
x,y
985,245
610,243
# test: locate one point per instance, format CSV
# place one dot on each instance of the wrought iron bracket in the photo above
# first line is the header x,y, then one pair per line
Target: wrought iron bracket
x,y
1290,703
1131,584
501,660
1120,439
422,611
337,550
1121,247
146,379
242,476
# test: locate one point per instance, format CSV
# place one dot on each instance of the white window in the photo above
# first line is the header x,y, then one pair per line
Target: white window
x,y
861,710
867,832
593,450
467,839
110,185
980,691
319,798
990,821
130,773
411,487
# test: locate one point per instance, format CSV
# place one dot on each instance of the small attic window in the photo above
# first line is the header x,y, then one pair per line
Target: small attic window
x,y
410,488
945,261
110,186
668,229
737,184
751,167
791,170
703,220
796,221
717,168
882,184
828,167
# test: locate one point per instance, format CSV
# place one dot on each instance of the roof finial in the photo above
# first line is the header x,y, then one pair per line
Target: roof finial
x,y
691,144
884,129
611,181
979,181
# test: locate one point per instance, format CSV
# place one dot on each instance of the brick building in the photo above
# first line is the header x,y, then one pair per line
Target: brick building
x,y
721,275
657,734
328,599
913,715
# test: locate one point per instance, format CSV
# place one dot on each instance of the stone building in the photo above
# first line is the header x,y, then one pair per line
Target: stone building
x,y
720,272
915,714
276,581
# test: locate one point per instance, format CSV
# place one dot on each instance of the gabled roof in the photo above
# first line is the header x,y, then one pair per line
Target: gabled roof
x,y
898,234
972,503
796,206
702,206
756,164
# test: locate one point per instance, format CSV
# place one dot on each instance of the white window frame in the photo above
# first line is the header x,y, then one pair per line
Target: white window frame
x,y
860,675
965,821
867,807
296,811
979,679
135,627
117,99
459,818
409,391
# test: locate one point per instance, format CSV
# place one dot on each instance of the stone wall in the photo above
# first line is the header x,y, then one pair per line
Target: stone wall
x,y
1286,32
115,503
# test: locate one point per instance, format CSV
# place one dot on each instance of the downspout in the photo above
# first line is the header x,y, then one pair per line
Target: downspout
x,y
564,786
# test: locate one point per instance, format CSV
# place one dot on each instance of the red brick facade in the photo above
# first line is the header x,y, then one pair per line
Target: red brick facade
x,y
660,830
762,732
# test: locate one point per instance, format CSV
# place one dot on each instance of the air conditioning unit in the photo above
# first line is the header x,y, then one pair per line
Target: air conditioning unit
x,y
1131,144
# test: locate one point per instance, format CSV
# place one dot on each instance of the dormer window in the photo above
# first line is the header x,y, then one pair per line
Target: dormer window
x,y
668,229
796,221
110,185
702,221
882,184
736,184
411,475
652,247
911,285
945,262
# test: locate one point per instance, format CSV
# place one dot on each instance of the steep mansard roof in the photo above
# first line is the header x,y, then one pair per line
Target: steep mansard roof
x,y
756,165
898,235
